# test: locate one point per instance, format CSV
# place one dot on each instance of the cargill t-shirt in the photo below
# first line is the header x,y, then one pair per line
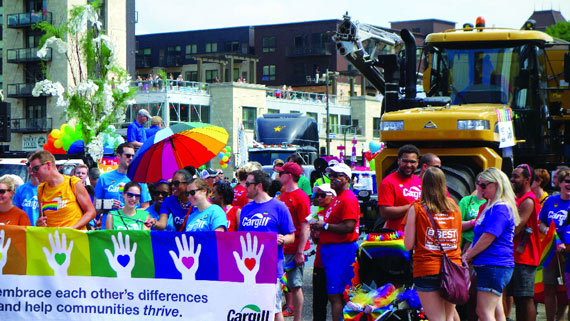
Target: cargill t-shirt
x,y
555,209
207,220
174,209
498,221
397,190
344,207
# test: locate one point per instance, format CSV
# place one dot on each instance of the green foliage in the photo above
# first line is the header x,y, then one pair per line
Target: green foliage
x,y
561,30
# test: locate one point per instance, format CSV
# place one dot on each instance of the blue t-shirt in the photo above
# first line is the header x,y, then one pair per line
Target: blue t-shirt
x,y
26,199
136,132
555,209
172,206
498,221
151,131
110,186
206,220
271,216
154,214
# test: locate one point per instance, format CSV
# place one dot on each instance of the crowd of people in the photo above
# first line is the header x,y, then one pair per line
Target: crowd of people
x,y
497,230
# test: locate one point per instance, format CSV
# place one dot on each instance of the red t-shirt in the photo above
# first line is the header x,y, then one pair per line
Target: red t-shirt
x,y
397,190
531,252
240,196
231,212
344,207
299,206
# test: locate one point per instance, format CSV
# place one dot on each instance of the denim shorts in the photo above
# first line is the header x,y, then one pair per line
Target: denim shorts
x,y
427,283
493,278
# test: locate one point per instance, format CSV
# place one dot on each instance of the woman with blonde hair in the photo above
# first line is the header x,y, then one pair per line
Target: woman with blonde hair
x,y
492,250
203,215
420,235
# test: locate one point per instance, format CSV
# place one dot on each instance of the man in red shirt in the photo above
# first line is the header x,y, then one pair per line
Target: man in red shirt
x,y
299,206
240,192
399,189
526,244
338,236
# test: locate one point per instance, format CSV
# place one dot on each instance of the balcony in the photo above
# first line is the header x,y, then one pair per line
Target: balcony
x,y
20,90
27,19
27,125
26,55
307,52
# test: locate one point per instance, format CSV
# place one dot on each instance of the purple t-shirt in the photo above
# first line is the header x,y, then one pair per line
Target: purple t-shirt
x,y
271,216
499,222
555,209
172,206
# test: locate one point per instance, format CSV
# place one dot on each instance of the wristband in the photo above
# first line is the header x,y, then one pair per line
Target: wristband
x,y
326,226
472,222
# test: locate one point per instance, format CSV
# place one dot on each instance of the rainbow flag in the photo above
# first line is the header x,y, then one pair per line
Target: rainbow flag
x,y
548,246
49,206
385,248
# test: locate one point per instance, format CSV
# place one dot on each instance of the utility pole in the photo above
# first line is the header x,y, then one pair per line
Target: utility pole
x,y
328,119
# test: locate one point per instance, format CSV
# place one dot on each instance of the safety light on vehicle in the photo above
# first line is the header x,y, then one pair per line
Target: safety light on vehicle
x,y
473,124
391,125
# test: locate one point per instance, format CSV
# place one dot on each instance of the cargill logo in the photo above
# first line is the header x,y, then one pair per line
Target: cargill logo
x,y
250,312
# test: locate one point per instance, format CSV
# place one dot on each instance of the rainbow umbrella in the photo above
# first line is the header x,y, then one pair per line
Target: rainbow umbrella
x,y
175,147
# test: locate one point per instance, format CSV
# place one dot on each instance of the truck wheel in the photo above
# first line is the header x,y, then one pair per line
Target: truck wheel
x,y
460,180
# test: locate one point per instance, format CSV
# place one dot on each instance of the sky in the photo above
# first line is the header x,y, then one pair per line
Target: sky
x,y
159,16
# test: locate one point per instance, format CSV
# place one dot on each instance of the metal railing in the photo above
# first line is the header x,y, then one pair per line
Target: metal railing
x,y
26,19
20,90
307,97
26,55
27,125
159,85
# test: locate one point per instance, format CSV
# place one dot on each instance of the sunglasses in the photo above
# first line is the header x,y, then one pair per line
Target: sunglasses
x,y
336,175
163,194
2,191
523,166
483,185
192,192
36,168
176,183
321,195
567,181
249,183
128,155
133,195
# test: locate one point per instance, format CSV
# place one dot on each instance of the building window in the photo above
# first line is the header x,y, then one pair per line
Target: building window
x,y
211,75
199,113
268,73
313,115
212,47
249,115
191,76
232,46
272,111
333,124
345,123
268,44
294,112
376,127
190,50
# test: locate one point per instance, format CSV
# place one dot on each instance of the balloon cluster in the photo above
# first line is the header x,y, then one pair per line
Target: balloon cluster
x,y
61,139
111,139
225,155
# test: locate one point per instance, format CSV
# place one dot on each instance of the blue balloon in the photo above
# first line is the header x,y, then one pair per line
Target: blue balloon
x,y
374,147
76,147
221,155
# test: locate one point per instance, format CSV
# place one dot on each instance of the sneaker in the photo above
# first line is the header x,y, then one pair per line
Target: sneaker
x,y
288,312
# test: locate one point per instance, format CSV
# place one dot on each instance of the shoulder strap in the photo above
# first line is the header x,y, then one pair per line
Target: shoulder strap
x,y
185,219
40,194
434,226
74,190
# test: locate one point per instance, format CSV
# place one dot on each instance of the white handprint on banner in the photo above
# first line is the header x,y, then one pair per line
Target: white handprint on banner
x,y
3,250
187,260
60,256
249,262
122,260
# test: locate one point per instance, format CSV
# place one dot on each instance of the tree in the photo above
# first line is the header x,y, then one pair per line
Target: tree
x,y
99,91
560,30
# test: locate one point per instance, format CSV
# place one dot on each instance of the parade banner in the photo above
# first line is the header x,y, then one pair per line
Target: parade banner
x,y
65,274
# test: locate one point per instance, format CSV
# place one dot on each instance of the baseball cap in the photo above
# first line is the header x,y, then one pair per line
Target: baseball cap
x,y
325,188
290,167
278,162
144,112
340,168
208,173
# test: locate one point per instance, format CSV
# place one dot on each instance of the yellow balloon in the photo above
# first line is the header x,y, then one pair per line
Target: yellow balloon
x,y
62,128
58,143
56,133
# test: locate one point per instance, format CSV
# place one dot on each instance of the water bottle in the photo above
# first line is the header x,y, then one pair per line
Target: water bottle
x,y
526,236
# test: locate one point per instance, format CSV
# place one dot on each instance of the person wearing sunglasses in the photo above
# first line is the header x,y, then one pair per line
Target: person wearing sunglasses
x,y
223,196
526,243
10,214
63,200
555,211
110,186
175,207
492,250
130,217
203,216
159,194
323,196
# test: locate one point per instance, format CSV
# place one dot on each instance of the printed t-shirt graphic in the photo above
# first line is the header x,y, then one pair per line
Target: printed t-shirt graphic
x,y
59,204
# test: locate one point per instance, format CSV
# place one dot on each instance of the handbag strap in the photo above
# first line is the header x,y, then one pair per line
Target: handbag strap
x,y
432,220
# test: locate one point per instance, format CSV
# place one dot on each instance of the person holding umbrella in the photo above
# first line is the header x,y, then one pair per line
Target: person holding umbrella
x,y
203,216
176,205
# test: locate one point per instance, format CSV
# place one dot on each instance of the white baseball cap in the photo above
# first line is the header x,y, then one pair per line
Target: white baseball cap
x,y
340,168
324,188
